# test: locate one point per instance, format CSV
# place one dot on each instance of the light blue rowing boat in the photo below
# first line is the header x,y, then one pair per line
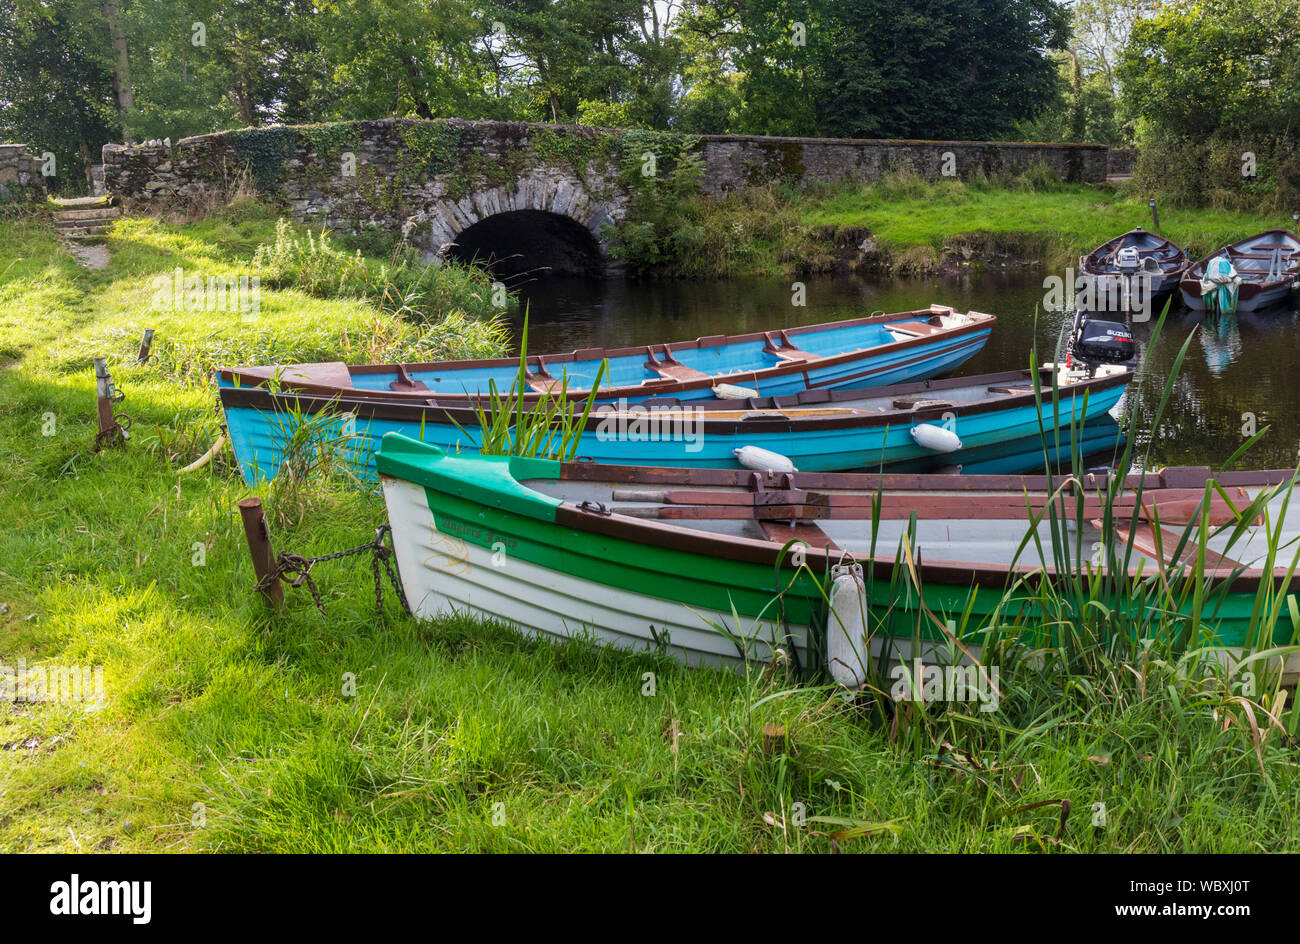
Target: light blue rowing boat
x,y
862,352
989,422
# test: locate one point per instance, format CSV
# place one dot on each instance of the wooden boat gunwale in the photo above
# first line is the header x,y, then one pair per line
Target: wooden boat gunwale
x,y
594,519
978,322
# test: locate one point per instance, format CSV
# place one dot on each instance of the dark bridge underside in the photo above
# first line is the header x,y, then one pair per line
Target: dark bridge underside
x,y
530,243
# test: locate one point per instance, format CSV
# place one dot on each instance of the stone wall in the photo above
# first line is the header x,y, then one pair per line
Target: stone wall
x,y
1120,162
20,175
427,180
430,180
141,171
735,161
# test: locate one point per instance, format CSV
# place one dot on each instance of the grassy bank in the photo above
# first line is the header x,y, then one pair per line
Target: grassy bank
x,y
913,226
225,729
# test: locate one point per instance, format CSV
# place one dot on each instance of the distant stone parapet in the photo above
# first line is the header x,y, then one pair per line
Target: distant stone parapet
x,y
432,180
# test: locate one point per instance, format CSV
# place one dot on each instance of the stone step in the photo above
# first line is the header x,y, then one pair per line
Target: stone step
x,y
90,213
77,226
64,229
85,237
100,201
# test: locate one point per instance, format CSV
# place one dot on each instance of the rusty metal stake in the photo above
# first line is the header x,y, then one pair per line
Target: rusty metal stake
x,y
1155,216
105,396
259,547
145,344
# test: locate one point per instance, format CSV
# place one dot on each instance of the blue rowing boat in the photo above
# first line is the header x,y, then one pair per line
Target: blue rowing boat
x,y
928,425
862,352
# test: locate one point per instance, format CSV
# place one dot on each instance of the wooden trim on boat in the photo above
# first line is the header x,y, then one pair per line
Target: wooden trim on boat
x,y
768,553
1182,477
980,321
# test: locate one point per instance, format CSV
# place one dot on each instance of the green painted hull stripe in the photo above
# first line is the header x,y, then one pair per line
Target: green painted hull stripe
x,y
480,500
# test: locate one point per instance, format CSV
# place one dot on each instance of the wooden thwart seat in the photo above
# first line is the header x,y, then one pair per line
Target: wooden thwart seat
x,y
542,380
785,349
1144,539
539,384
670,368
1173,507
917,329
809,532
325,374
921,401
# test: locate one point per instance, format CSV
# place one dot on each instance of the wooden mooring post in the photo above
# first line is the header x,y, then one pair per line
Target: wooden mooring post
x,y
774,739
105,396
259,547
145,344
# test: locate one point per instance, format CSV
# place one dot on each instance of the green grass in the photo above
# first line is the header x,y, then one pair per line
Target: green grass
x,y
914,224
461,735
1069,219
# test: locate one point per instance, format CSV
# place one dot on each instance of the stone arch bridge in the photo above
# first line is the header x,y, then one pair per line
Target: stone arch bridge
x,y
519,197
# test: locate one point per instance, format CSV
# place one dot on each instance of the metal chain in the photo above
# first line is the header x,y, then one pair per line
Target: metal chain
x,y
121,425
295,570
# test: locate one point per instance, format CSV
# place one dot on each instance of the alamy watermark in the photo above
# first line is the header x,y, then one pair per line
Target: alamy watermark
x,y
1100,293
621,422
64,684
181,292
950,683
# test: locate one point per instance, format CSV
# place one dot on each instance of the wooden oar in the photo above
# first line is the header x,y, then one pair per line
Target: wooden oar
x,y
1143,538
1173,506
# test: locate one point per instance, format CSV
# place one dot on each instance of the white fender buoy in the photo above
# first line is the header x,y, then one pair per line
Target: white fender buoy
x,y
763,460
847,657
732,392
929,436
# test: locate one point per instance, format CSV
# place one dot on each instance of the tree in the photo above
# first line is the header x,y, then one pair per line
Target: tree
x,y
1195,69
121,62
56,85
916,68
576,55
1215,86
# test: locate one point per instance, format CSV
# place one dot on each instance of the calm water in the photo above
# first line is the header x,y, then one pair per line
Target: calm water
x,y
1246,365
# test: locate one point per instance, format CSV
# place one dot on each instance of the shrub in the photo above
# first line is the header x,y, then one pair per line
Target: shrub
x,y
404,284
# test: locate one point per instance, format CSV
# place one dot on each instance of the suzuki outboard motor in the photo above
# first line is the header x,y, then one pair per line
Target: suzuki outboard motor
x,y
1095,342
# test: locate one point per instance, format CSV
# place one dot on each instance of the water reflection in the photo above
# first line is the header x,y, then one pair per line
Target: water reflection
x,y
1221,340
1248,364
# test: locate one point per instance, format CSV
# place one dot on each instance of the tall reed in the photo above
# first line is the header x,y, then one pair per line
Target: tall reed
x,y
547,426
1098,619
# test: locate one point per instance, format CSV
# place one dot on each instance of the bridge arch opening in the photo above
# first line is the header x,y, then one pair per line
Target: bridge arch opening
x,y
529,244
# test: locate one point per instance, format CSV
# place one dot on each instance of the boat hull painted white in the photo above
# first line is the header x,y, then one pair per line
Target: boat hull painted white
x,y
454,576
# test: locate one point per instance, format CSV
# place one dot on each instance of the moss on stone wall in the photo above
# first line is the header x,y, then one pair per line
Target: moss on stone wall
x,y
332,139
429,148
265,151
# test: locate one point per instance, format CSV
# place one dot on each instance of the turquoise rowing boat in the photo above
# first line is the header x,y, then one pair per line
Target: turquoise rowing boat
x,y
987,421
858,353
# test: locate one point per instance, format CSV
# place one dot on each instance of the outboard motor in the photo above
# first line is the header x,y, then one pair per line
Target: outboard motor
x,y
1095,342
1128,261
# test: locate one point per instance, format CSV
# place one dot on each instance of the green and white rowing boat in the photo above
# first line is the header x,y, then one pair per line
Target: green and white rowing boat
x,y
721,566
